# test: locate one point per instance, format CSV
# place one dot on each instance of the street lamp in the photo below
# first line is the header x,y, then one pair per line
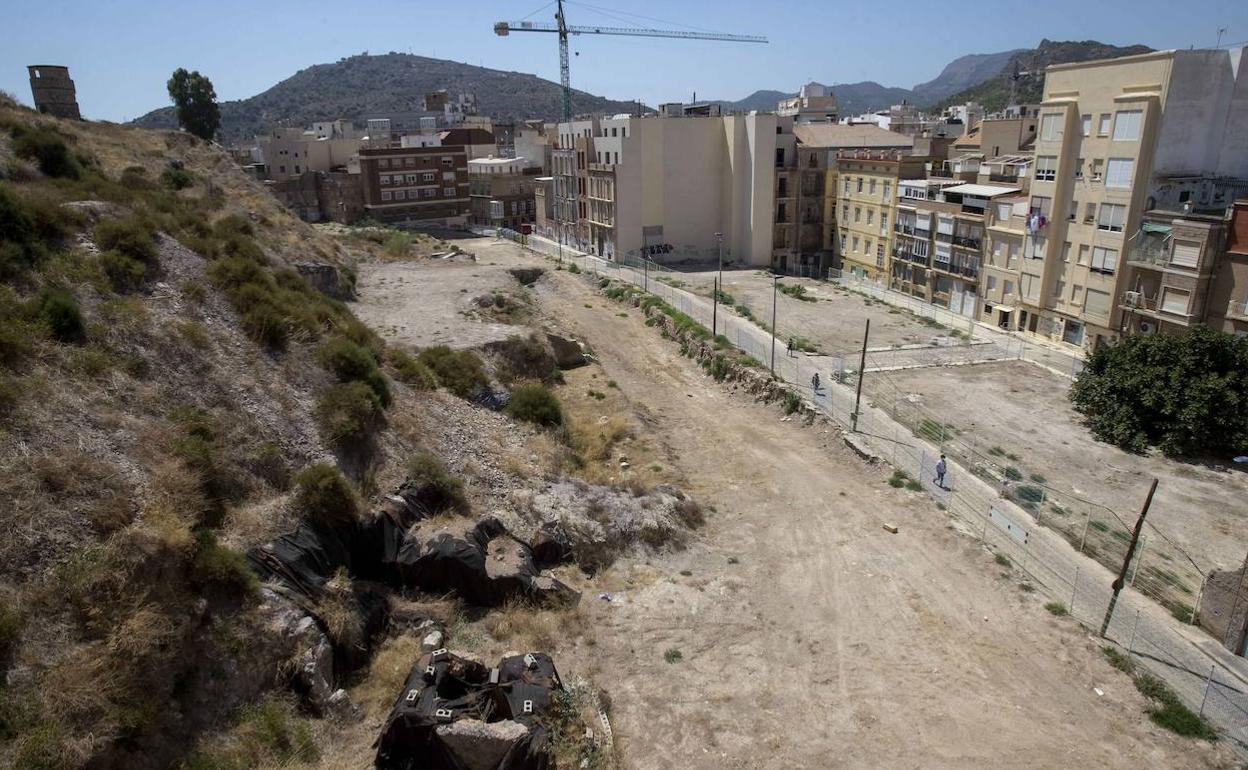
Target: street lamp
x,y
775,282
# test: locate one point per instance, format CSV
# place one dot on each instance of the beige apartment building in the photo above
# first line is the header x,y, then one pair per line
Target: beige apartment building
x,y
1118,138
670,188
502,192
288,153
867,205
1228,299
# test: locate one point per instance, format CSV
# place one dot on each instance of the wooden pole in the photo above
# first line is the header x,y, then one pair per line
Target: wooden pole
x,y
1121,580
774,284
862,364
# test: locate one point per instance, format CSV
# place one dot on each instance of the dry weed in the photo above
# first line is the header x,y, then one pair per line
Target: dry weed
x,y
339,610
533,628
386,675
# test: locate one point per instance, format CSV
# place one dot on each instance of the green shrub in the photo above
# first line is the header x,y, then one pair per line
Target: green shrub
x,y
536,404
267,326
29,227
719,367
410,371
459,371
59,311
47,149
1013,474
218,566
177,178
1003,560
325,496
673,655
792,402
1169,712
1185,393
351,362
398,244
796,291
133,236
439,489
1057,608
1119,661
1029,494
573,268
124,273
349,413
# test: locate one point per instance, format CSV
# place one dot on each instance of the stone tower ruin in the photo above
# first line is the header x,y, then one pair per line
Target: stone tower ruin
x,y
54,91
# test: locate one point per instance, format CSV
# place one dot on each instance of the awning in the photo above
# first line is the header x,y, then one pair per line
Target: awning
x,y
1149,227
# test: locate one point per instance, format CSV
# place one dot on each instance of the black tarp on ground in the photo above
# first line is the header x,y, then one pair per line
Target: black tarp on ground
x,y
444,688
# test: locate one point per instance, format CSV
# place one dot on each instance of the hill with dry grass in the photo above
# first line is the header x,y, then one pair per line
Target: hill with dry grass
x,y
183,383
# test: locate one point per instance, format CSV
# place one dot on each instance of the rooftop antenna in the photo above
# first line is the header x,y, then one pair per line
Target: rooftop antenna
x,y
1221,32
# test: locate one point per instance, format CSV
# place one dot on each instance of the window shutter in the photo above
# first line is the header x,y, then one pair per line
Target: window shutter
x,y
1186,254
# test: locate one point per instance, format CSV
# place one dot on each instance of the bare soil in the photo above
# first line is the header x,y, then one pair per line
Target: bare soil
x,y
1024,409
808,635
834,321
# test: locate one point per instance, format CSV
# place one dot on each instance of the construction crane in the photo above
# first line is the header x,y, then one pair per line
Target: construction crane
x,y
503,28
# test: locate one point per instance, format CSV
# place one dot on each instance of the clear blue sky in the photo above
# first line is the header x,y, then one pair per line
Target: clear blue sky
x,y
121,51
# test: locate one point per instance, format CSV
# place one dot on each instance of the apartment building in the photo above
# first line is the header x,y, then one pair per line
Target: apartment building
x,y
1228,298
501,191
415,186
867,205
826,140
1170,264
288,153
670,188
814,102
1117,138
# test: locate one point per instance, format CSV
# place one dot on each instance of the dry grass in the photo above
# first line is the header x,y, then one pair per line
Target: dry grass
x,y
520,624
340,612
388,671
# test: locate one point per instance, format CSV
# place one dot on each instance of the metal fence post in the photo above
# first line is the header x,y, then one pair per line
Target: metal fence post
x,y
1206,695
1083,540
1074,590
1134,626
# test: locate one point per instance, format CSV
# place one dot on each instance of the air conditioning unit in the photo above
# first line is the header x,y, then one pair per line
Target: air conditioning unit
x,y
1131,298
1148,327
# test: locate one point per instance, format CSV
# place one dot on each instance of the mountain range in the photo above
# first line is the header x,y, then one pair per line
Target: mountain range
x,y
360,86
982,78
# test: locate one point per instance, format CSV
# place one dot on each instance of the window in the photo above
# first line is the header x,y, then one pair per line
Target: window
x,y
923,221
1046,168
1127,125
1003,212
1174,300
448,192
1111,218
1059,288
409,161
1083,254
1119,172
943,252
1186,254
1031,286
1013,260
1096,303
1085,122
400,195
997,256
384,163
991,282
613,130
842,244
782,213
879,253
448,162
428,176
870,216
871,190
429,192
883,221
1041,205
1066,251
281,169
1051,127
857,213
888,190
1079,169
782,187
1074,211
385,195
1102,126
859,184
1009,288
845,213
855,244
866,246
779,157
385,179
1089,213
944,225
847,185
411,178
297,171
1038,244
1104,260
1098,169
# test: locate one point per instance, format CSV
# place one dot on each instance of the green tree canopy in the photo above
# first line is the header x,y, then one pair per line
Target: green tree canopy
x,y
1187,393
193,95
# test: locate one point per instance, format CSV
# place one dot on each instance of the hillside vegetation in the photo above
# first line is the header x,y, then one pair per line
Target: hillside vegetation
x,y
361,86
163,373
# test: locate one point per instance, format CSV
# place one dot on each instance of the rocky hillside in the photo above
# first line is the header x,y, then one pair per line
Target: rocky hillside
x,y
1023,74
209,466
962,73
360,86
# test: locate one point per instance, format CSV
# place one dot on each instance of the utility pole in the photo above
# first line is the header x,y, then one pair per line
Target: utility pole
x,y
715,310
775,279
862,364
1121,580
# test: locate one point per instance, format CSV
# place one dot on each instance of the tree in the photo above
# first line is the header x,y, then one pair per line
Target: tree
x,y
1186,394
193,95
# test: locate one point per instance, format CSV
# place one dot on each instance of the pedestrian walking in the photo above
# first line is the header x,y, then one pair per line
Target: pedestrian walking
x,y
790,347
941,467
814,382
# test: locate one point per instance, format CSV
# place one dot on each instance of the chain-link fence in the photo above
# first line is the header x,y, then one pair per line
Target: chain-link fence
x,y
1046,534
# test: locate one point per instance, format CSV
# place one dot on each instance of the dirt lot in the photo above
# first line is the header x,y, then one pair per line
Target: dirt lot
x,y
431,302
807,635
834,322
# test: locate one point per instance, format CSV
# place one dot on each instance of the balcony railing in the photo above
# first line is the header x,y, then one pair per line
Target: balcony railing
x,y
967,242
1142,303
1148,254
1238,310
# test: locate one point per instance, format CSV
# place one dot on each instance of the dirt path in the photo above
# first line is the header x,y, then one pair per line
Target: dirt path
x,y
809,636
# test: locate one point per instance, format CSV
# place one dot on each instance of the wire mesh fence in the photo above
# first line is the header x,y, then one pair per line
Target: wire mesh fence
x,y
1063,543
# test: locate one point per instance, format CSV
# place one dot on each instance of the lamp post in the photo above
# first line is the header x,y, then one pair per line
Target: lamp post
x,y
775,282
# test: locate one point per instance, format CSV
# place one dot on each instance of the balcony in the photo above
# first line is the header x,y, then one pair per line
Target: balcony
x,y
1142,304
967,242
1238,310
903,229
1149,253
1007,178
962,269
